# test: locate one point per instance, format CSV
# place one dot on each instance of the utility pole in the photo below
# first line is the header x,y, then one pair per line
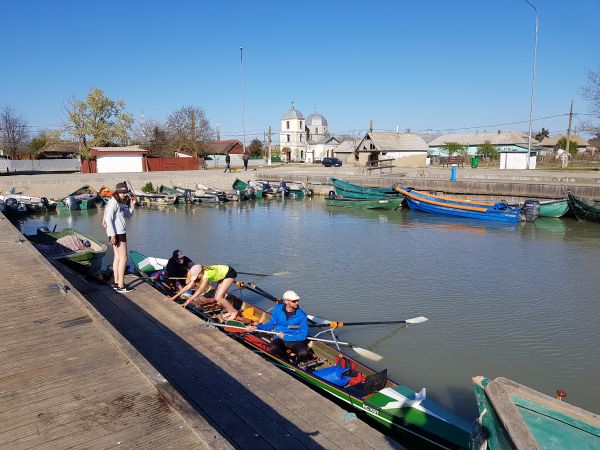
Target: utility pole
x,y
565,160
270,134
242,86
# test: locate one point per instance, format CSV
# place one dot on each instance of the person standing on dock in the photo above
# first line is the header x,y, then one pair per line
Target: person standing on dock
x,y
115,214
291,324
227,163
245,158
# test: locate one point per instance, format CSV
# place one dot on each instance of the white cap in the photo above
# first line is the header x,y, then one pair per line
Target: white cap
x,y
290,295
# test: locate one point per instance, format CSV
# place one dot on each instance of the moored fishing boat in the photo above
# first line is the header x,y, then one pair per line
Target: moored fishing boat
x,y
422,201
364,203
152,199
372,393
554,208
246,191
179,196
584,210
514,416
351,190
85,197
70,246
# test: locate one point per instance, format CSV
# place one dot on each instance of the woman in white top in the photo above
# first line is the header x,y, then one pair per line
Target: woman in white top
x,y
115,213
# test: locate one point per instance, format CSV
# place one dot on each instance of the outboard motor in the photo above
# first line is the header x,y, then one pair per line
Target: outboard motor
x,y
71,202
531,210
44,201
222,196
331,194
250,192
11,204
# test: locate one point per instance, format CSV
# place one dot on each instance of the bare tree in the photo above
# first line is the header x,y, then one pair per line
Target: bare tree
x,y
188,128
591,92
13,130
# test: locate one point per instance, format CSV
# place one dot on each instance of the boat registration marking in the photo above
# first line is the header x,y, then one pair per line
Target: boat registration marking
x,y
370,409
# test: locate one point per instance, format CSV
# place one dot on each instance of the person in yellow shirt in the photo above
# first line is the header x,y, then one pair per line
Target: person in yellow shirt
x,y
201,277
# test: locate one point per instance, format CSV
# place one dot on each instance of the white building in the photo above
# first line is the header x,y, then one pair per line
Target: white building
x,y
292,141
119,159
319,143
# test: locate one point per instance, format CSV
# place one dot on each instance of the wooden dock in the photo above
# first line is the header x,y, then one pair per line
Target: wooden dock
x,y
93,368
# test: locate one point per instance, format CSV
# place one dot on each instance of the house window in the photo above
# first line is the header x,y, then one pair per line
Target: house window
x,y
316,131
371,147
300,124
288,125
300,138
288,137
302,155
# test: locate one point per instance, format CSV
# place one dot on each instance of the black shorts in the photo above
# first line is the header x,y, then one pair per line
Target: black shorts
x,y
120,238
231,273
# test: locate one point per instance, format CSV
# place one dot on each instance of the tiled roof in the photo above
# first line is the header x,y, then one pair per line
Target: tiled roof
x,y
223,147
345,147
127,149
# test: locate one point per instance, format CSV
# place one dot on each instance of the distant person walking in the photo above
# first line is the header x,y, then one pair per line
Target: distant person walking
x,y
115,214
245,158
227,163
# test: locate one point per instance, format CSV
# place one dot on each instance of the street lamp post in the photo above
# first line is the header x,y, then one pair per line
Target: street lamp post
x,y
531,106
242,85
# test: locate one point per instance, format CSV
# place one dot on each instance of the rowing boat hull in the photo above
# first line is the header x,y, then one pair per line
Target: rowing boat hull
x,y
371,203
583,211
554,208
435,205
395,407
347,187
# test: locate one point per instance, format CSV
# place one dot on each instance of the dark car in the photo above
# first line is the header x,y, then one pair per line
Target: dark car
x,y
329,162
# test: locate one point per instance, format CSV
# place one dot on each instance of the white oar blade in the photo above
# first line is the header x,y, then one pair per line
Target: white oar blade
x,y
419,319
279,274
367,353
318,320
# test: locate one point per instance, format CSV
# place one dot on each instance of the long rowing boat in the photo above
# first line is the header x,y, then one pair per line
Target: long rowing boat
x,y
422,201
372,393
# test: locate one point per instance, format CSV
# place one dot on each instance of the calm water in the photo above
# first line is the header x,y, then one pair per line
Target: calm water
x,y
519,301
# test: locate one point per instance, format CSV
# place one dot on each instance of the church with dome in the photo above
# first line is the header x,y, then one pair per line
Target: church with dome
x,y
305,140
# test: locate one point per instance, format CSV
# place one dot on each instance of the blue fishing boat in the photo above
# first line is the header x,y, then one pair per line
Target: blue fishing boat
x,y
422,201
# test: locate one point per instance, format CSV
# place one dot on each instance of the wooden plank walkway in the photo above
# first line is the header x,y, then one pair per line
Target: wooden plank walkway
x,y
68,379
248,400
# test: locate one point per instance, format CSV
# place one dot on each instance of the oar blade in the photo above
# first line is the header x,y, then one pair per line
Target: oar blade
x,y
368,354
419,319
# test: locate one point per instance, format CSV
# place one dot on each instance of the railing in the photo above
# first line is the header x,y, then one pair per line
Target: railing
x,y
448,161
380,164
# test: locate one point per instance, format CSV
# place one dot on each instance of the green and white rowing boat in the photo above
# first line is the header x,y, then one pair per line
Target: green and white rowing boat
x,y
554,208
364,203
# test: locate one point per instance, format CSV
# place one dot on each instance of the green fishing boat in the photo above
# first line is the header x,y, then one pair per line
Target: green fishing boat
x,y
351,190
248,190
85,197
364,203
70,246
554,208
514,416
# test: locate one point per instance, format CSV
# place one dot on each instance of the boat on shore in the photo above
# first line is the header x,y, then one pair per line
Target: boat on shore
x,y
584,210
554,208
69,246
246,190
370,392
350,190
364,203
422,201
514,416
154,199
25,203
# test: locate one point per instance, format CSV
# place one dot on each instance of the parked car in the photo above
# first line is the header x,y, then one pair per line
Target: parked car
x,y
329,162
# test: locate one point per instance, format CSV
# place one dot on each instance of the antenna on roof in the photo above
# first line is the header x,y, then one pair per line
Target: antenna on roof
x,y
218,131
371,125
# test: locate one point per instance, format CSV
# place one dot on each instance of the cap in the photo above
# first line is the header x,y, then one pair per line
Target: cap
x,y
178,253
290,295
121,188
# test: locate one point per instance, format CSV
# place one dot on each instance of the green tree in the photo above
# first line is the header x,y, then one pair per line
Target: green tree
x,y
543,133
98,121
562,143
42,139
255,148
488,150
452,148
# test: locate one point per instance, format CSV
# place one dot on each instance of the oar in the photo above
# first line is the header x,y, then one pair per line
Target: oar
x,y
361,351
327,323
255,288
264,274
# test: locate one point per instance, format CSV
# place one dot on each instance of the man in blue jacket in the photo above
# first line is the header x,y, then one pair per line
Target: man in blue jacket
x,y
291,325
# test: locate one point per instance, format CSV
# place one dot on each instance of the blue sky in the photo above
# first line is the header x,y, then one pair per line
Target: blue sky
x,y
437,64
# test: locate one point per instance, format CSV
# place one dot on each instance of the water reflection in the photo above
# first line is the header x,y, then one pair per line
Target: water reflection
x,y
503,300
